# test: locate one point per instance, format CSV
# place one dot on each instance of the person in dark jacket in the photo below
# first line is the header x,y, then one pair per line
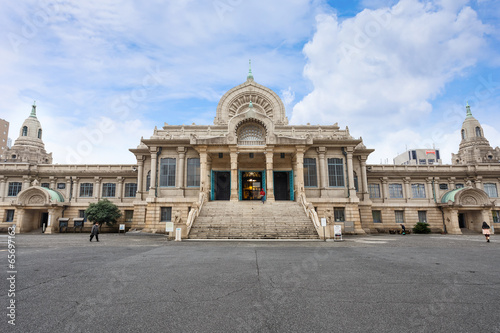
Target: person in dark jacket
x,y
94,232
486,231
403,229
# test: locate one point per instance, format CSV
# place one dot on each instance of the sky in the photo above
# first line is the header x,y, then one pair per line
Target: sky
x,y
104,73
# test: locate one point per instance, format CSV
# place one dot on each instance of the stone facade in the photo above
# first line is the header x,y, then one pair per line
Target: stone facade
x,y
180,170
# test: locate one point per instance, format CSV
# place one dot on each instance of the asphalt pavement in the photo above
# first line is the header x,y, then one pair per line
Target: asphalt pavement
x,y
146,283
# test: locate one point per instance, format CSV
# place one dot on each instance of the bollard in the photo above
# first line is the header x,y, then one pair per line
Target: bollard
x,y
178,234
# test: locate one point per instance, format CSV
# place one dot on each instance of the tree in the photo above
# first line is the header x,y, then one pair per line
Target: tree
x,y
104,211
421,228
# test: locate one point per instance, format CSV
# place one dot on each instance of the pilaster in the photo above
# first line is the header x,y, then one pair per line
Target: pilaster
x,y
269,174
234,174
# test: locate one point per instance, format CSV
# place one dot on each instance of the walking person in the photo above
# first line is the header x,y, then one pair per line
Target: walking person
x,y
262,195
403,229
94,232
486,231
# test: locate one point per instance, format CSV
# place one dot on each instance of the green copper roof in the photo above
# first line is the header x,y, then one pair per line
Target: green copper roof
x,y
33,110
469,113
54,195
450,196
250,75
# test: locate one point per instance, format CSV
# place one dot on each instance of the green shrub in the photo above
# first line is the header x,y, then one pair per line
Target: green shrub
x,y
421,228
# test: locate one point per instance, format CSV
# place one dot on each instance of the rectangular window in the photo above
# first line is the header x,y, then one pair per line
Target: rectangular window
x,y
130,190
443,186
339,214
129,215
46,185
108,190
422,216
167,172
336,172
9,216
431,161
496,216
422,161
310,177
491,190
377,216
14,188
81,214
374,190
86,189
418,191
166,214
400,216
61,186
193,172
396,191
459,186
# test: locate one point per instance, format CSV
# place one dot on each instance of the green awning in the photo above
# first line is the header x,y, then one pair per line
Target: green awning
x,y
54,195
450,196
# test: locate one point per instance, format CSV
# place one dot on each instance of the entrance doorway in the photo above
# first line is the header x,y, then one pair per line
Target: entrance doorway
x,y
221,185
44,219
251,184
461,220
281,185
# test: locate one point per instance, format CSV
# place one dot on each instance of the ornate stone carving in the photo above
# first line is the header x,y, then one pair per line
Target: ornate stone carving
x,y
469,200
36,200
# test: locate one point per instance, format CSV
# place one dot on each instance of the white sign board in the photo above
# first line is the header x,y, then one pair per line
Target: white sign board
x,y
323,221
122,227
169,227
337,230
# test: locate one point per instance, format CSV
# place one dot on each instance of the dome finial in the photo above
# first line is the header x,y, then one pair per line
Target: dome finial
x,y
469,113
33,110
250,75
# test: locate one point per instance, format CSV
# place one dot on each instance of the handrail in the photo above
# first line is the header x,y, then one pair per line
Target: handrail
x,y
310,212
195,211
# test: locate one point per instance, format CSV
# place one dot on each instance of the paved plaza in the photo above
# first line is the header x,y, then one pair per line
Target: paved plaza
x,y
137,283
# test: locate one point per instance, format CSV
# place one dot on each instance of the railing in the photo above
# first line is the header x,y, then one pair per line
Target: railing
x,y
195,211
311,213
251,143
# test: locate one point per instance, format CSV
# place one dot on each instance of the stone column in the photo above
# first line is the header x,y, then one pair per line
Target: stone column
x,y
234,174
76,186
209,169
430,194
26,182
180,170
152,186
3,179
352,188
451,183
479,183
97,188
299,157
364,179
322,168
269,174
19,220
53,182
407,181
140,176
203,170
385,188
119,188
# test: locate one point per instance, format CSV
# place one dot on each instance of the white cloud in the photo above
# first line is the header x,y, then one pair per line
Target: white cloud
x,y
378,71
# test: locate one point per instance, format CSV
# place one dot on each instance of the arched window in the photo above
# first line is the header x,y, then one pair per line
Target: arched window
x,y
40,133
25,131
478,132
251,135
463,134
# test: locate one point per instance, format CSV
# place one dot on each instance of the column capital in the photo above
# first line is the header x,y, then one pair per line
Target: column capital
x,y
153,149
181,150
321,150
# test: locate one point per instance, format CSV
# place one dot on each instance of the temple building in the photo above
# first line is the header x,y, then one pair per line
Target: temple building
x,y
206,180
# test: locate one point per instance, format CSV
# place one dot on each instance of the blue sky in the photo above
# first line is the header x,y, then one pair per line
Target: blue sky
x,y
105,73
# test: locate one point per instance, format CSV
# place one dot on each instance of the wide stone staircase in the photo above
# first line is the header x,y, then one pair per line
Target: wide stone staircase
x,y
252,220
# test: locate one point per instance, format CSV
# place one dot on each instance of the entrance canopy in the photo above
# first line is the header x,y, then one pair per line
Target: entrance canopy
x,y
466,196
39,196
